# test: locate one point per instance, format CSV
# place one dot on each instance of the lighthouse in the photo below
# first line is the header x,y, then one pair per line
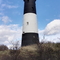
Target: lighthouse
x,y
30,29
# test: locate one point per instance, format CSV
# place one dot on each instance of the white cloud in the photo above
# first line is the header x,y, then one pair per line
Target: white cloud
x,y
4,5
9,33
47,19
53,27
13,32
6,19
9,6
51,31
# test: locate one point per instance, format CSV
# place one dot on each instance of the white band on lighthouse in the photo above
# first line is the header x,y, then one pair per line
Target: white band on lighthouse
x,y
30,23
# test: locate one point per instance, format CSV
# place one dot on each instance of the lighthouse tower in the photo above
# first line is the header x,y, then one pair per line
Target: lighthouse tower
x,y
30,29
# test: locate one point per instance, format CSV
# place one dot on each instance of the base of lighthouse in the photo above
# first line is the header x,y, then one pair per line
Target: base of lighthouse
x,y
29,39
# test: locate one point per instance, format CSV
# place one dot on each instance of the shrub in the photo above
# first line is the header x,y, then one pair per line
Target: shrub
x,y
3,47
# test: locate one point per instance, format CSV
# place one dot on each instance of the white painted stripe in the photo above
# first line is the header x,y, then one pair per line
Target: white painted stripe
x,y
30,23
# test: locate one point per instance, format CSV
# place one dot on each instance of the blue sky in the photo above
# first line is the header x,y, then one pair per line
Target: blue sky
x,y
46,11
11,18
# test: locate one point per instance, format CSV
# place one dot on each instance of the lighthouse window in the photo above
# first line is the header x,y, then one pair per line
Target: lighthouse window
x,y
27,23
33,36
23,32
32,8
27,0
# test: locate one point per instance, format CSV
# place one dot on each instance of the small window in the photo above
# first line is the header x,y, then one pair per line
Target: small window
x,y
23,32
27,0
32,8
27,23
33,36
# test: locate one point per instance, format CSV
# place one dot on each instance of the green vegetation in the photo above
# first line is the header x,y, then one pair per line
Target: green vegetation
x,y
42,51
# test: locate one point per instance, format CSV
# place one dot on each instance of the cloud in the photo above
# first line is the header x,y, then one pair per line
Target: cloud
x,y
51,32
14,32
6,19
8,6
53,27
10,33
47,19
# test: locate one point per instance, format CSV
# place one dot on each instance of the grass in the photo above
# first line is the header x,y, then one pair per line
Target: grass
x,y
45,51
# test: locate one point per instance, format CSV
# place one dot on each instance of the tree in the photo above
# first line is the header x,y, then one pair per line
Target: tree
x,y
15,50
3,47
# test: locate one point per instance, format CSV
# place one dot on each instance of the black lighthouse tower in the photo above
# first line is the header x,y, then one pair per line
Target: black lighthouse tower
x,y
30,28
